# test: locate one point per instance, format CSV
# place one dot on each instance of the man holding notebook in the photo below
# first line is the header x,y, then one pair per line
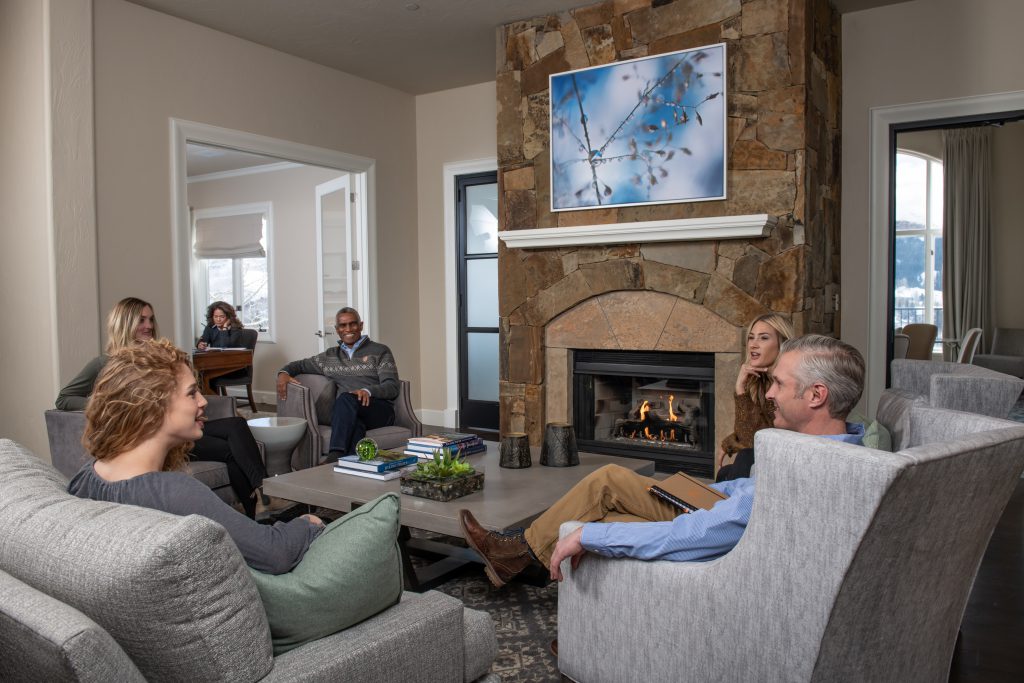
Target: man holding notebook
x,y
817,382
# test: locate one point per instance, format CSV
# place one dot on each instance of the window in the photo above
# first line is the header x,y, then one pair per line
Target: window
x,y
231,247
917,273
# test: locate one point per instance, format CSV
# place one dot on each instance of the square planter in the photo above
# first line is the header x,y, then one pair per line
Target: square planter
x,y
443,490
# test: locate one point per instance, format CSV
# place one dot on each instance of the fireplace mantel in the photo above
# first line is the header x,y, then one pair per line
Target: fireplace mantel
x,y
677,230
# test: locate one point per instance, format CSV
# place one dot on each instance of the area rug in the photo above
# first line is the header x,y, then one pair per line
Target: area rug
x,y
1017,414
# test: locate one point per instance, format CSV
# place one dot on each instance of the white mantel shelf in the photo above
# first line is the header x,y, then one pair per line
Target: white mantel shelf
x,y
679,230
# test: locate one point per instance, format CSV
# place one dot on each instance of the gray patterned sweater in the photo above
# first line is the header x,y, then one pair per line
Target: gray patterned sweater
x,y
372,367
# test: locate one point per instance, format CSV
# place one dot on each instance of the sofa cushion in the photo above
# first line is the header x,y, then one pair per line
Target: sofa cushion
x,y
352,571
173,591
894,414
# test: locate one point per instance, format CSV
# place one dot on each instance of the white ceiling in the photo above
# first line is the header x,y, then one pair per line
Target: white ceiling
x,y
443,44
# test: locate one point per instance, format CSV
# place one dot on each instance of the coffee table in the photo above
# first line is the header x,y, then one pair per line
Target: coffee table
x,y
510,498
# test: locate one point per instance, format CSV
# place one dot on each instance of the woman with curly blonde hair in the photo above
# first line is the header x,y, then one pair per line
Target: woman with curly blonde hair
x,y
144,414
228,440
754,411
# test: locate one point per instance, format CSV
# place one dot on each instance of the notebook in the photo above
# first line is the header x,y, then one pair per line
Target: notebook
x,y
686,493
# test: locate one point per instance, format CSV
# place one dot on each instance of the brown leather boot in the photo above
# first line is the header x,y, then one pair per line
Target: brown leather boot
x,y
504,555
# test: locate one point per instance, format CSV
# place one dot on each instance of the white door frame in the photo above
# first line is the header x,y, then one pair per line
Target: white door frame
x,y
362,169
357,298
450,416
878,236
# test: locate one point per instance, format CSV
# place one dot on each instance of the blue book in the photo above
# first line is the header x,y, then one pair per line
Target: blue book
x,y
379,464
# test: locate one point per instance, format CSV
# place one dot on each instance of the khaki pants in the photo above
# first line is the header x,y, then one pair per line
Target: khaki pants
x,y
611,494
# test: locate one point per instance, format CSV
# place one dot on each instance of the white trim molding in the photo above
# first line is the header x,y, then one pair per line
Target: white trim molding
x,y
238,172
677,230
882,119
451,170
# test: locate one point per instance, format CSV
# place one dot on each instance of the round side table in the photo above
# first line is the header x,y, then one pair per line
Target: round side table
x,y
280,435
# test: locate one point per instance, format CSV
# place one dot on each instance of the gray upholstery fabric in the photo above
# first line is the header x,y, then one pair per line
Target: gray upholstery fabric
x,y
894,414
1007,355
43,639
313,400
104,582
854,567
172,591
957,386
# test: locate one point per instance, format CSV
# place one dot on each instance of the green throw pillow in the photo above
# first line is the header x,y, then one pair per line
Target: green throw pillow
x,y
875,434
350,572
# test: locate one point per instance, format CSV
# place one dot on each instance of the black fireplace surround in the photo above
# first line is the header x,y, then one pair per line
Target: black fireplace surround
x,y
655,405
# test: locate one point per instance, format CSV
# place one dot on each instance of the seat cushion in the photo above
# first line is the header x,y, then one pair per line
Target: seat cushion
x,y
390,437
173,591
352,571
1008,365
213,474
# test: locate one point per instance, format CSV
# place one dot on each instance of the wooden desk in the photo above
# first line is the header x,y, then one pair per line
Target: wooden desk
x,y
212,364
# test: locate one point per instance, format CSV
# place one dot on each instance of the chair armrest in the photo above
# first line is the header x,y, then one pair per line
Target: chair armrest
x,y
976,393
64,431
419,639
404,414
219,407
299,403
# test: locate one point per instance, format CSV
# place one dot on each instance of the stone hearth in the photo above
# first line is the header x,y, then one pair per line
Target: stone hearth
x,y
783,161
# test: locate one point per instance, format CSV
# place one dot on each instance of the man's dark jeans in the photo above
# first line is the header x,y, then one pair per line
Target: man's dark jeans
x,y
351,419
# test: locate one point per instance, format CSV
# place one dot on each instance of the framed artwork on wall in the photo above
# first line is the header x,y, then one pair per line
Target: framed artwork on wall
x,y
644,131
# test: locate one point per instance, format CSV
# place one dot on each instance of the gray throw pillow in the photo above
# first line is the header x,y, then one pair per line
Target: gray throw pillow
x,y
352,571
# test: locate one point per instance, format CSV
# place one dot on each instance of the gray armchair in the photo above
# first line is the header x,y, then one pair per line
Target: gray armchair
x,y
856,566
957,386
313,399
1007,354
64,430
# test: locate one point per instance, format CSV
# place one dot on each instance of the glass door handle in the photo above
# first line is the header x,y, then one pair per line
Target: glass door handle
x,y
319,333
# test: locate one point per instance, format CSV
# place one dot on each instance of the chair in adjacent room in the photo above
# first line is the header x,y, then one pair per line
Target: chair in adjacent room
x,y
856,566
1007,353
900,345
972,340
922,339
241,377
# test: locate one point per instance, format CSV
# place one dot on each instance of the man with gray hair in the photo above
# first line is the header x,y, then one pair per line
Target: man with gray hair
x,y
817,381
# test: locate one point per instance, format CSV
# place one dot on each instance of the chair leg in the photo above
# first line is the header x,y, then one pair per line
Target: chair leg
x,y
252,401
222,391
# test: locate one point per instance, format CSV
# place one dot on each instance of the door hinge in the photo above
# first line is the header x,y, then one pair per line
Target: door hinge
x,y
352,197
355,265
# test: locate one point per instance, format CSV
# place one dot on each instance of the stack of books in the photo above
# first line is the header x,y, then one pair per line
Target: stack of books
x,y
424,447
386,466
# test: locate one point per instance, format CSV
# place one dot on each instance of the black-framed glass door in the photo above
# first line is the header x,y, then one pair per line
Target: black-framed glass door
x,y
477,251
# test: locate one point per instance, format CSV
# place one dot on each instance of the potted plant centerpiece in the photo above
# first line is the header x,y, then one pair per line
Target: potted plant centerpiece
x,y
444,477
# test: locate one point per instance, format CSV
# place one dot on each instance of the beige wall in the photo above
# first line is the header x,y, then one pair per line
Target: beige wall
x,y
150,67
912,52
293,260
451,126
1007,226
27,340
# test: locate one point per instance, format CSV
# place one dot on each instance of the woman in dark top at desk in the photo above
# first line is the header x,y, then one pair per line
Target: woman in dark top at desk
x,y
145,411
227,440
223,328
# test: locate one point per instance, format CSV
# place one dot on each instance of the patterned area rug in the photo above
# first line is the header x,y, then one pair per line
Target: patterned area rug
x,y
1017,414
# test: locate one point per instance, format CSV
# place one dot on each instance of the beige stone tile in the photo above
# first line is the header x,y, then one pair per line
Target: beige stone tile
x,y
691,327
637,318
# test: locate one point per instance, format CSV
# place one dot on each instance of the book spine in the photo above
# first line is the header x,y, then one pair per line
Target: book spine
x,y
429,454
377,467
438,443
669,498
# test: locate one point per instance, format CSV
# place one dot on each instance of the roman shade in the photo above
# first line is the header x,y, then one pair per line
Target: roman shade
x,y
230,237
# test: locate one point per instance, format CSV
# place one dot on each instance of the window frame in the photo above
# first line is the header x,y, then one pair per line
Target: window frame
x,y
200,281
930,232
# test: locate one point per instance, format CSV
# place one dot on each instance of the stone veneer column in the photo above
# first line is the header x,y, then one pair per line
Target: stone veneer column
x,y
783,136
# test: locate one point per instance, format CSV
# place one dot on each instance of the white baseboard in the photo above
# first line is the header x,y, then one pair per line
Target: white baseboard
x,y
449,417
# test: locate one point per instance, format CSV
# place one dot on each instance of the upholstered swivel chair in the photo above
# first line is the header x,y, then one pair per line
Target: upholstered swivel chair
x,y
922,339
240,378
856,566
313,399
1007,354
957,386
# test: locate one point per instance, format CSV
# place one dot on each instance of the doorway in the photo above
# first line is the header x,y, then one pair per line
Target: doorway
x,y
476,244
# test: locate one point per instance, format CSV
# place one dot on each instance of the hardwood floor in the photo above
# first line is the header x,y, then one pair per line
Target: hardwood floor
x,y
992,641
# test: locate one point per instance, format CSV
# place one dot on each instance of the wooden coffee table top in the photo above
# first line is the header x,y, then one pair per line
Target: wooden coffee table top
x,y
509,499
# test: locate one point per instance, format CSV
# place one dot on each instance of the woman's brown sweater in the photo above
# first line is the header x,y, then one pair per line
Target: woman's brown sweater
x,y
749,419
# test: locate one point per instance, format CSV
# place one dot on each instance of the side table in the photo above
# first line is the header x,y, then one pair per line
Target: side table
x,y
280,435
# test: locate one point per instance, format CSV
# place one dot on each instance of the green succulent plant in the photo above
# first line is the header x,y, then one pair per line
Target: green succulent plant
x,y
447,463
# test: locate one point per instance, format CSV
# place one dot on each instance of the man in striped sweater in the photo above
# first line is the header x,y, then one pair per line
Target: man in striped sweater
x,y
367,378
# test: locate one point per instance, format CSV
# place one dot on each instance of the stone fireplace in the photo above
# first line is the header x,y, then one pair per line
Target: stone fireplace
x,y
669,294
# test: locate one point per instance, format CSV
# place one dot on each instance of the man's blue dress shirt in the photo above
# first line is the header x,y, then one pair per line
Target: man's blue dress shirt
x,y
697,536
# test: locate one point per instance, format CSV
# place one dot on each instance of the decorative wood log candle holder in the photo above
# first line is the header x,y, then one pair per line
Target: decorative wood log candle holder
x,y
515,451
559,447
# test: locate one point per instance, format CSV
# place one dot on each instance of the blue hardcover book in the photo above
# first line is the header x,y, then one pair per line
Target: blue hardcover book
x,y
397,461
465,447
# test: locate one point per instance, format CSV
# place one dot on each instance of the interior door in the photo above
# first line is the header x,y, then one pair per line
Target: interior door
x,y
335,264
477,245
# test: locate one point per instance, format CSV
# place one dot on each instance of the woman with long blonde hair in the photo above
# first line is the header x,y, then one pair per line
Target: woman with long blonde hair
x,y
132,322
144,414
754,411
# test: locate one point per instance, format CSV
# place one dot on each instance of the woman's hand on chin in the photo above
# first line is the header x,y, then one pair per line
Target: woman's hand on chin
x,y
746,372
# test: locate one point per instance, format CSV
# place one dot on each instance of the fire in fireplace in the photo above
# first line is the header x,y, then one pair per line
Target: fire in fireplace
x,y
654,405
